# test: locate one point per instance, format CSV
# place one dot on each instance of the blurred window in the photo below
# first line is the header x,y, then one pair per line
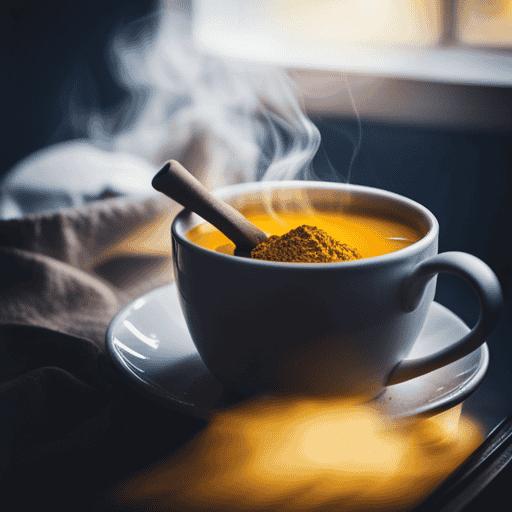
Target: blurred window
x,y
485,22
414,22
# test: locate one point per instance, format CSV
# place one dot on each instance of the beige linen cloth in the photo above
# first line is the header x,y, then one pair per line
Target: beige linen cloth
x,y
69,426
71,270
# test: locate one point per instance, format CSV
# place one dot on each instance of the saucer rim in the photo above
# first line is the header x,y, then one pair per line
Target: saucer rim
x,y
169,400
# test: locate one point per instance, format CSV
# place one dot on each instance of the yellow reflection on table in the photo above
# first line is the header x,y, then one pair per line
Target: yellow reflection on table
x,y
307,454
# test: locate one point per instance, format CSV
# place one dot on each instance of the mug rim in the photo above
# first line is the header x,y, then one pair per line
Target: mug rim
x,y
256,186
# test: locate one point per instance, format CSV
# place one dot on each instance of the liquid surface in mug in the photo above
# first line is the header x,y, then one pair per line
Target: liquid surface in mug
x,y
370,235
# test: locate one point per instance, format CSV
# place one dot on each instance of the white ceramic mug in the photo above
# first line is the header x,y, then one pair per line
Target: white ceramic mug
x,y
322,328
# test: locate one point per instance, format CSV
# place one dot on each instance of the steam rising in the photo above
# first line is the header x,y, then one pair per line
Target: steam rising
x,y
249,113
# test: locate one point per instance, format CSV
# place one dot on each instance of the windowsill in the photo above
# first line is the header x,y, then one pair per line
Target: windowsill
x,y
404,100
454,64
451,64
453,87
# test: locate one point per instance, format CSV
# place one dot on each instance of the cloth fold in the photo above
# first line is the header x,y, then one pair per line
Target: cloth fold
x,y
69,427
71,270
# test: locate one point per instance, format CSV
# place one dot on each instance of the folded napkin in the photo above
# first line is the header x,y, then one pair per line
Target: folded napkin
x,y
68,426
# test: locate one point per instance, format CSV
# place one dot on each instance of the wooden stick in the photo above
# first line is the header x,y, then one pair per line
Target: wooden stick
x,y
176,182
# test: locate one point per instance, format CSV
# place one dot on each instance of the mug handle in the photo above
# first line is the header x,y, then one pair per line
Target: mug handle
x,y
488,289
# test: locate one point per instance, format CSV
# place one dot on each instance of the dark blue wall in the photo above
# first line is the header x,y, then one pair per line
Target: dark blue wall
x,y
52,52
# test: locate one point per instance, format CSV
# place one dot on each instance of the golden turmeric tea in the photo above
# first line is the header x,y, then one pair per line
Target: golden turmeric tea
x,y
360,234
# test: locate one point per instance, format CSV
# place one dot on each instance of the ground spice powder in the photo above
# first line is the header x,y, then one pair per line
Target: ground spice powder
x,y
305,244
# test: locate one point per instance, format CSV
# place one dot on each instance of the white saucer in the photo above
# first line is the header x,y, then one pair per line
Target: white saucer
x,y
150,344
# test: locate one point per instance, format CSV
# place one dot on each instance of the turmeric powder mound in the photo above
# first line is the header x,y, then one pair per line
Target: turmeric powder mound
x,y
305,244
